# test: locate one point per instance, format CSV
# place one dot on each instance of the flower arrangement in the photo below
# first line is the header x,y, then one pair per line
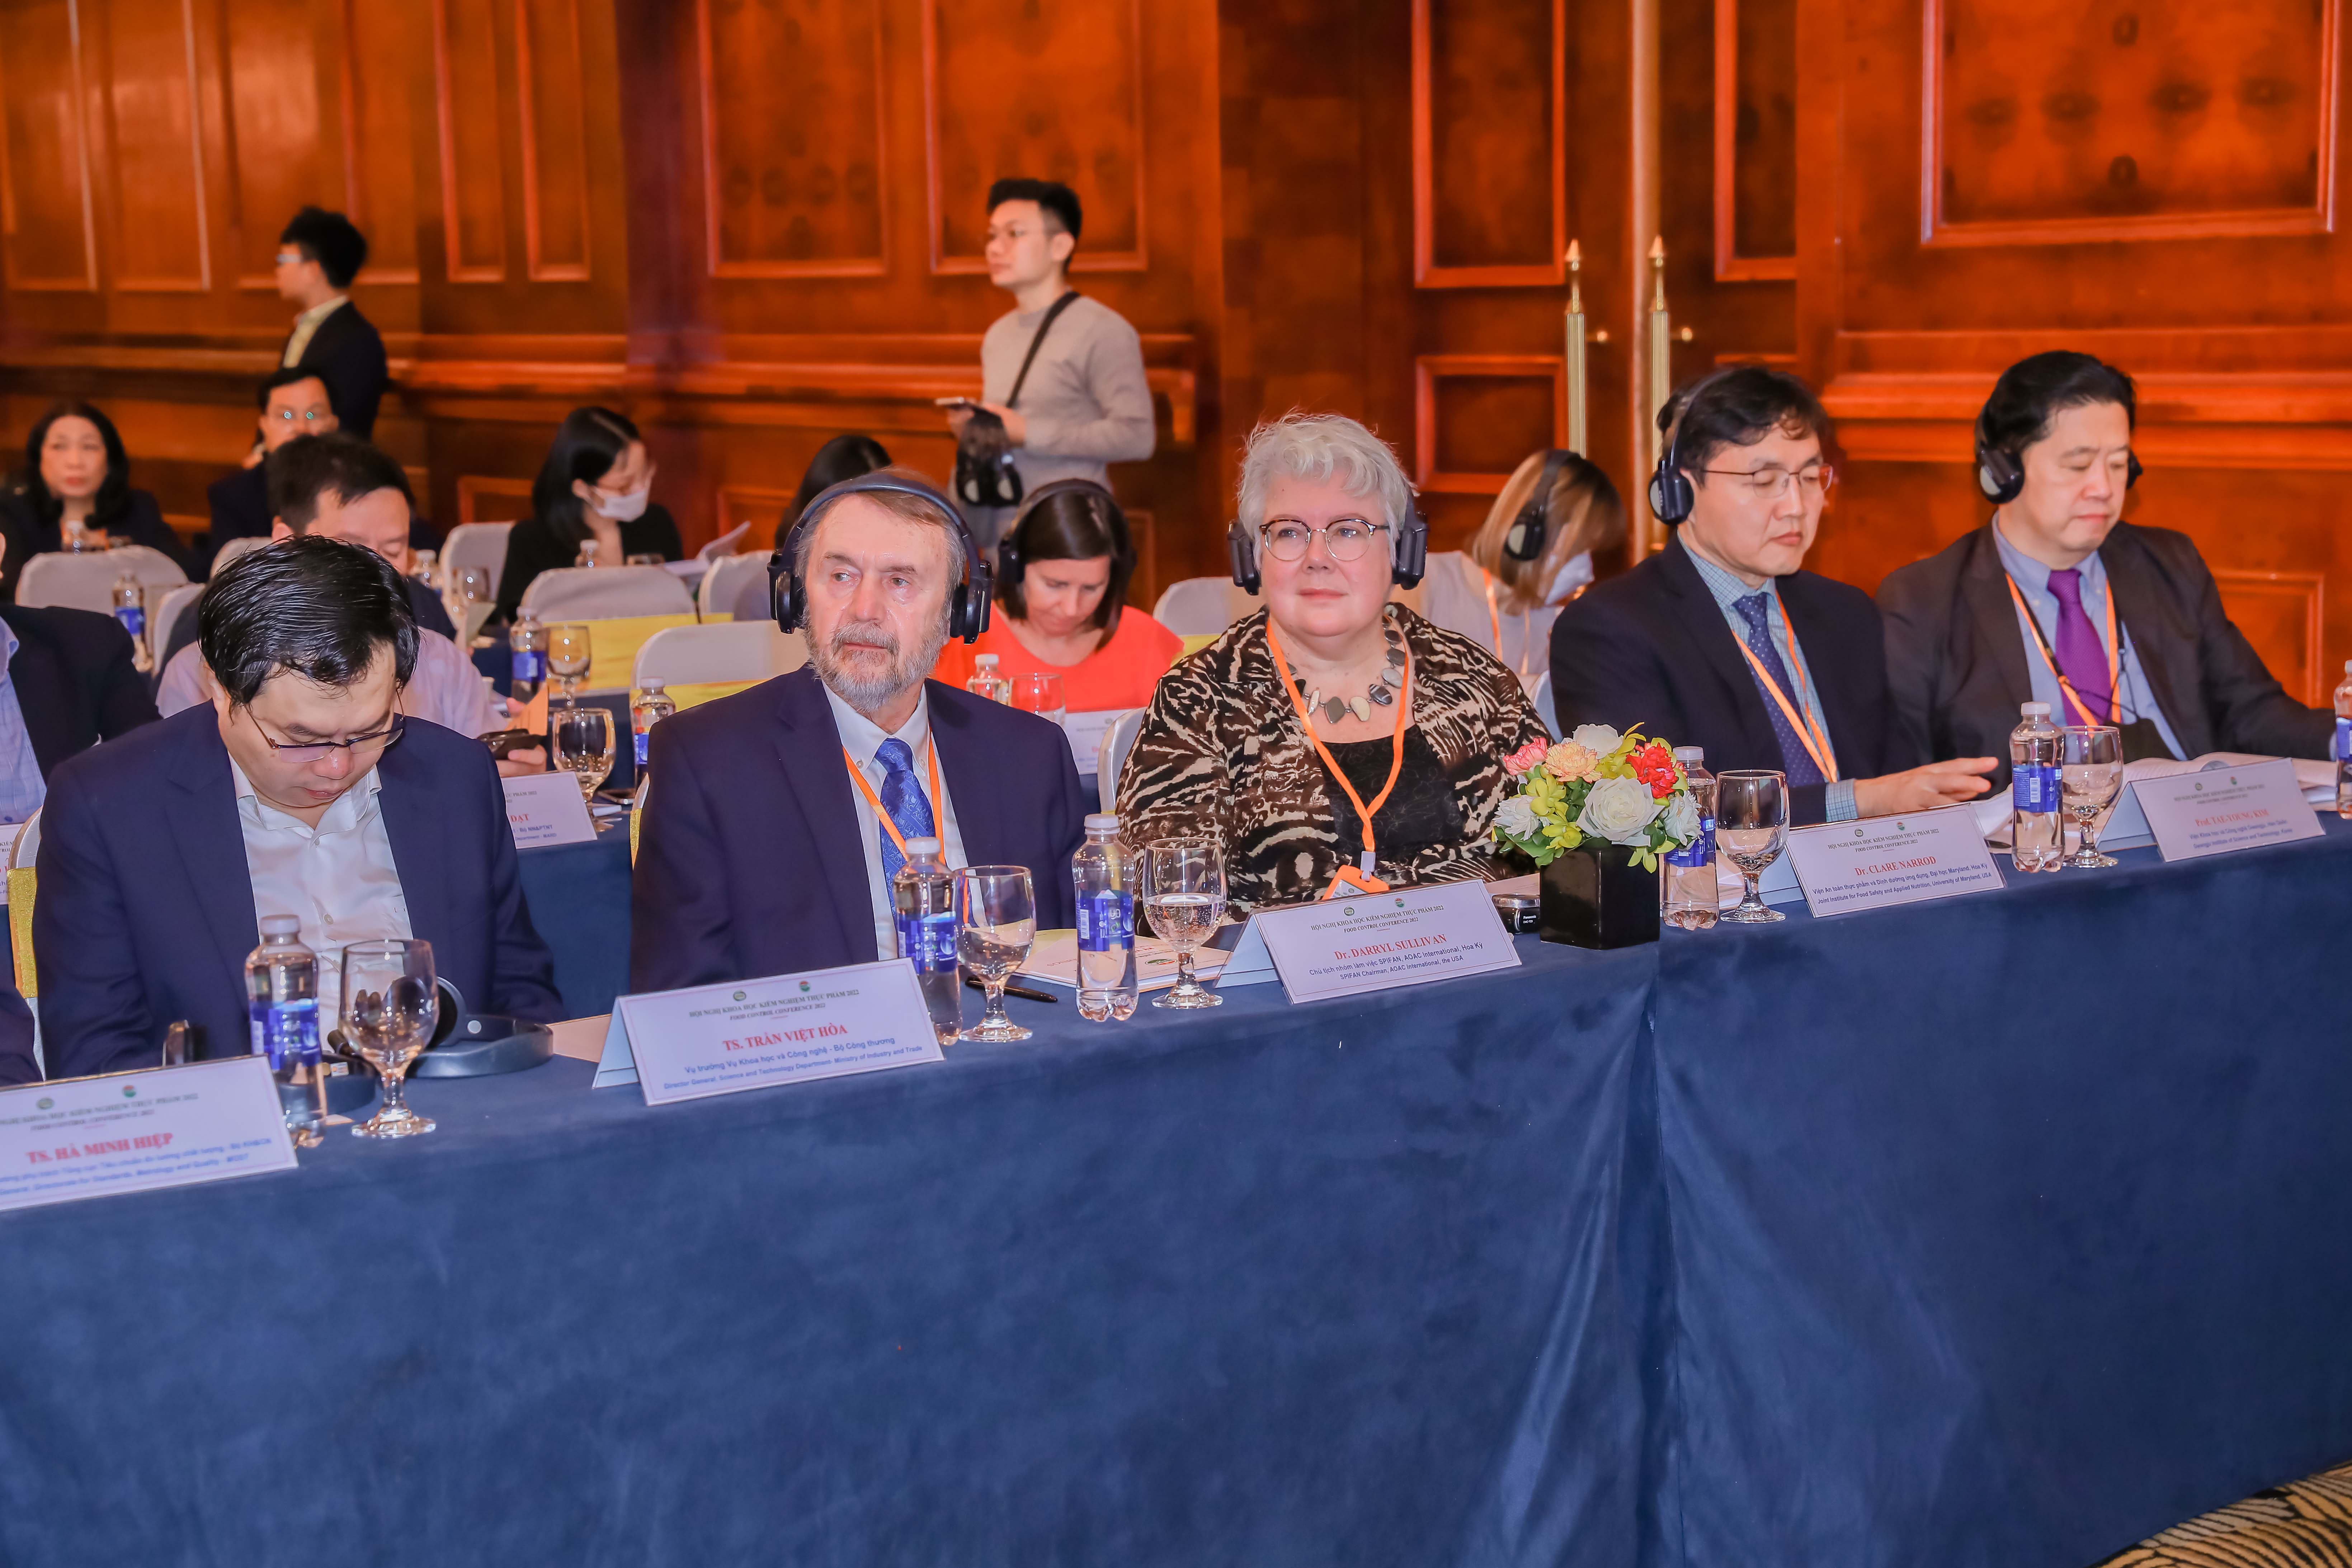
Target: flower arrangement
x,y
1621,789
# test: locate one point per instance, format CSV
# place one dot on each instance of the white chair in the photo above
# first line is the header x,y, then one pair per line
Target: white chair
x,y
86,581
719,651
605,593
237,547
1541,698
1204,607
27,845
725,581
1111,756
482,545
166,617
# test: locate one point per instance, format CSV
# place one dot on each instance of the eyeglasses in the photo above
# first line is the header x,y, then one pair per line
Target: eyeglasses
x,y
308,415
291,259
317,751
1347,538
1773,483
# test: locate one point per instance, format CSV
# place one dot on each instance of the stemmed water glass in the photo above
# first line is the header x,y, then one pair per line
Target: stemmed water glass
x,y
390,1006
472,582
2090,776
997,919
1751,825
568,656
1039,693
584,746
1184,894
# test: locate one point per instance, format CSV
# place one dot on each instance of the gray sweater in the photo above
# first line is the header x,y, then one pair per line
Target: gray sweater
x,y
1085,400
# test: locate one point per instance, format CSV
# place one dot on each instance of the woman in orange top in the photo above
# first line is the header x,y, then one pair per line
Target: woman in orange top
x,y
1061,590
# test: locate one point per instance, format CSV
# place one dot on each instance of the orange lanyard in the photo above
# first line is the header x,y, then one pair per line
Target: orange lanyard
x,y
1350,874
882,817
1494,619
2114,659
1809,731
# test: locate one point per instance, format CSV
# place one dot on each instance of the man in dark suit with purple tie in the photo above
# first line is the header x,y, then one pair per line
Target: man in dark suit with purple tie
x,y
777,816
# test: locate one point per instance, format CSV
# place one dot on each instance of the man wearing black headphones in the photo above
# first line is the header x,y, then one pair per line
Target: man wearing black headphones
x,y
779,815
1721,641
2057,600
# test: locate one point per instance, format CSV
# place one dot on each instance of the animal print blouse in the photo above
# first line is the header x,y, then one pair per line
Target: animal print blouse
x,y
1222,753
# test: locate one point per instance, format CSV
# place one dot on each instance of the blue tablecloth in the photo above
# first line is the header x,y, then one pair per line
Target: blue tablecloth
x,y
579,899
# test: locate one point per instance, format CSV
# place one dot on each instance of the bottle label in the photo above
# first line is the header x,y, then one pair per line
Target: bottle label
x,y
2033,788
279,1028
644,736
1699,851
530,664
929,940
2343,739
1106,921
133,618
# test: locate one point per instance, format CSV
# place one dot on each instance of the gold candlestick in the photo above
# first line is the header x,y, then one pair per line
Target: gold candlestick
x,y
1578,437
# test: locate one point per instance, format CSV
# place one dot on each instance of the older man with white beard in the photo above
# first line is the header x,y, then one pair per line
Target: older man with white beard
x,y
779,815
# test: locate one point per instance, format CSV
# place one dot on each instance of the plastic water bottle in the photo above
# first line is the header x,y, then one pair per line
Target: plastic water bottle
x,y
2037,834
1693,897
421,567
922,897
131,609
281,992
527,643
986,682
1103,874
2344,744
648,706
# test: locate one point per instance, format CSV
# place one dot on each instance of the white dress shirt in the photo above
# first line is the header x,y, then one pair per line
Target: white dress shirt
x,y
338,878
445,688
862,737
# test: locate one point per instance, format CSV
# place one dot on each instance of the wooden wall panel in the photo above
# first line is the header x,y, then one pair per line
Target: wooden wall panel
x,y
1080,121
1478,415
1756,77
554,149
796,177
50,216
281,157
1490,142
160,241
473,188
378,139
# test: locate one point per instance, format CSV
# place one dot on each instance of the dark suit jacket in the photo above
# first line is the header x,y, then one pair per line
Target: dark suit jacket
x,y
74,679
1958,664
532,548
749,862
1651,647
141,522
240,506
348,354
18,1064
145,911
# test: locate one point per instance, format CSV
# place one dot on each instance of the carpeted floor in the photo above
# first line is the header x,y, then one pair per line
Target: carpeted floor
x,y
2305,1524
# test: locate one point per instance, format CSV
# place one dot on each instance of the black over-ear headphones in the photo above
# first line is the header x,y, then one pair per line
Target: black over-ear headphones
x,y
1531,528
967,605
1670,494
1012,551
2000,473
1411,561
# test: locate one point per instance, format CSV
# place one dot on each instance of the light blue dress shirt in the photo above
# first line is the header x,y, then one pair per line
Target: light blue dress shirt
x,y
2137,700
22,788
1837,803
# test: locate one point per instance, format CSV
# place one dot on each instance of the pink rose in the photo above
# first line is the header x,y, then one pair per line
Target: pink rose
x,y
1525,759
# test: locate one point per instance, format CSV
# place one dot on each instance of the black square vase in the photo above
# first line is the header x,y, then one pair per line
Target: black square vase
x,y
1596,897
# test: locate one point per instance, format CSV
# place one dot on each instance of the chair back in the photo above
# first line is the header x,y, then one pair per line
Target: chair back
x,y
482,545
1117,741
27,845
719,652
237,547
23,885
86,581
605,593
725,583
1204,607
166,617
1541,698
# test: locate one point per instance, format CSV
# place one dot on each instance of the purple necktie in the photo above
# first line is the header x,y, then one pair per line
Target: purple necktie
x,y
2082,657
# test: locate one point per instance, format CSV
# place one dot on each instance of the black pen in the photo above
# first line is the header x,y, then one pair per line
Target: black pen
x,y
1023,992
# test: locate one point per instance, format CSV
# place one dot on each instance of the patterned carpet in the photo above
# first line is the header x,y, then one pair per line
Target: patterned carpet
x,y
2306,1524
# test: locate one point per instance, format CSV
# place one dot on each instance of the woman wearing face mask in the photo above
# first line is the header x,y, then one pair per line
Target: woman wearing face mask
x,y
1533,555
594,488
76,480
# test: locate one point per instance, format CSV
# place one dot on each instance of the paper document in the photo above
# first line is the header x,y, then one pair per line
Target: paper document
x,y
1054,958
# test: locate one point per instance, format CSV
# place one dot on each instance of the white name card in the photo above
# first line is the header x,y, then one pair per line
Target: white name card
x,y
1376,942
750,1033
1882,860
2221,809
546,808
128,1132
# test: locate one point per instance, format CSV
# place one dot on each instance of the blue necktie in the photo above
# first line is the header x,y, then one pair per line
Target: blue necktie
x,y
902,797
1796,762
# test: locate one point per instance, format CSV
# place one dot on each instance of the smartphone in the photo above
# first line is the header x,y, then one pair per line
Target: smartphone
x,y
952,402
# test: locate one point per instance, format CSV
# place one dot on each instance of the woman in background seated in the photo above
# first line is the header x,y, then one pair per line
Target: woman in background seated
x,y
1270,738
849,456
1533,555
1061,573
594,488
76,476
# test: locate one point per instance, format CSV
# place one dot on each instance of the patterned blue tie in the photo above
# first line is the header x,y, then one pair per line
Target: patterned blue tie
x,y
902,797
1796,761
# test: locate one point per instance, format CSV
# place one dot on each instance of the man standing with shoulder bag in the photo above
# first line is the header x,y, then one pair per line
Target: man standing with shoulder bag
x,y
1063,389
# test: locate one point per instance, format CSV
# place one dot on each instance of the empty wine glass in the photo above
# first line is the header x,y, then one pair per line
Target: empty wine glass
x,y
2090,776
473,584
583,745
568,656
1184,894
996,920
390,1006
1041,694
1751,825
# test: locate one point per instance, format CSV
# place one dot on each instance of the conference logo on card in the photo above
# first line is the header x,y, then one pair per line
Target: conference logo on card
x,y
46,1104
130,1091
739,995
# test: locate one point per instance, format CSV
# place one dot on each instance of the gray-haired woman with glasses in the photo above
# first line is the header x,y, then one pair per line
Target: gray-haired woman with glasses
x,y
1331,706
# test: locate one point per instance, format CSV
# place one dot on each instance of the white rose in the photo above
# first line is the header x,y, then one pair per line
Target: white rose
x,y
1599,738
1681,817
1517,816
1619,810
